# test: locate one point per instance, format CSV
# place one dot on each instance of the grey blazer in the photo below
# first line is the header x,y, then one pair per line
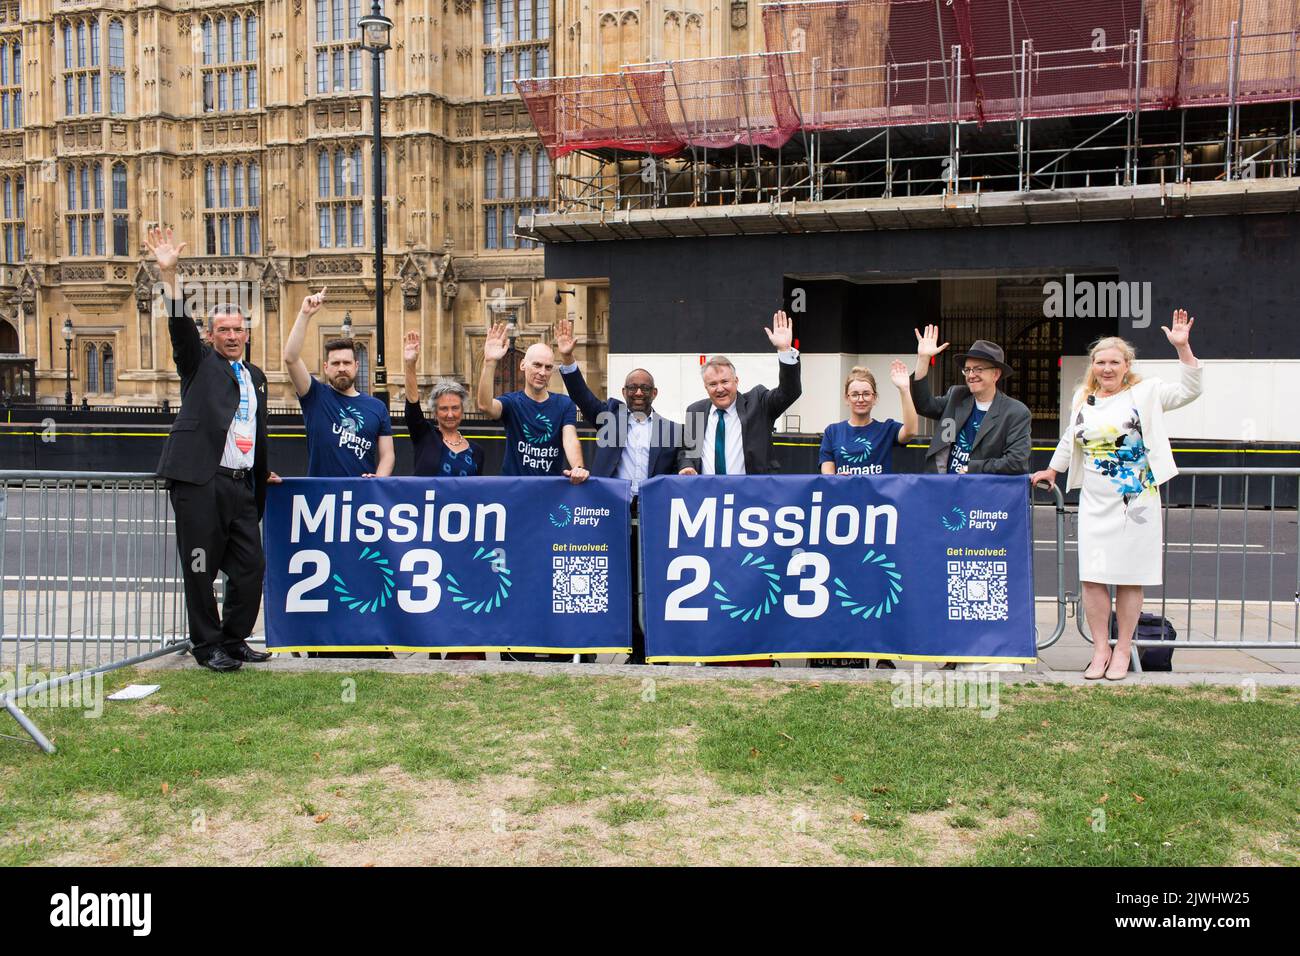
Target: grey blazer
x,y
1002,444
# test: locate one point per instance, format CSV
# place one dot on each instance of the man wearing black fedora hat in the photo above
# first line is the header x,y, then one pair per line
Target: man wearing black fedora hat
x,y
982,430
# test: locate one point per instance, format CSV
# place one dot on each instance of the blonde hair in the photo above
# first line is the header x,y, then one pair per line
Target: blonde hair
x,y
860,374
1090,384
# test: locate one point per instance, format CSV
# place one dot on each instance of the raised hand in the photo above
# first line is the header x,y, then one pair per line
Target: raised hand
x,y
1178,336
497,343
411,348
781,334
927,345
898,374
163,247
312,304
565,342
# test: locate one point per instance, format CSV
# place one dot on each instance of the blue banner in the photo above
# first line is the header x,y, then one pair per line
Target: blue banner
x,y
911,567
449,564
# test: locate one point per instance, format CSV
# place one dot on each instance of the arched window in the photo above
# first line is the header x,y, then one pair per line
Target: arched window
x,y
340,183
508,175
11,84
120,215
525,173
107,356
14,224
230,55
490,175
337,48
116,68
92,368
363,368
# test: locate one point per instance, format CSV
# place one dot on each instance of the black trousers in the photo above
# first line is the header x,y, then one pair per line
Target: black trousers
x,y
217,530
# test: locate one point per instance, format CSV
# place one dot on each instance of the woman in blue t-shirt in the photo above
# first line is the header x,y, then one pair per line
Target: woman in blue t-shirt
x,y
441,452
863,446
860,445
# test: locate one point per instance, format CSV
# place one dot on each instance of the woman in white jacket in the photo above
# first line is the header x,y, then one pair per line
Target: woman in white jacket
x,y
1117,451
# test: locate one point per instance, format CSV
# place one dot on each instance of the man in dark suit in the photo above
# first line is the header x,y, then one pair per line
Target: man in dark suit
x,y
731,433
982,431
633,442
216,461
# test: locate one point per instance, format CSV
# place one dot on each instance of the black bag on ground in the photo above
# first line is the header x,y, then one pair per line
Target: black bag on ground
x,y
1151,627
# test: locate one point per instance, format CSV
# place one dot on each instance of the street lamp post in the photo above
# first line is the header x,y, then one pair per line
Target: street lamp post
x,y
67,349
375,31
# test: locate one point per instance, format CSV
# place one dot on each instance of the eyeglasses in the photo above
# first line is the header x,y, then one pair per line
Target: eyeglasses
x,y
976,370
858,396
639,388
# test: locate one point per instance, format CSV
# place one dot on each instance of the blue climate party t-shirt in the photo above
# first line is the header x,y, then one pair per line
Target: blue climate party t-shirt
x,y
533,430
959,453
342,432
863,449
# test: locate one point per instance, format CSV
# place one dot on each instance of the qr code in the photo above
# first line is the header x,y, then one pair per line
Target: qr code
x,y
580,585
977,590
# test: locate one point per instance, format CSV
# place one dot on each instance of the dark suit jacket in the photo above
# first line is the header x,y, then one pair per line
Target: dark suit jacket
x,y
759,408
1002,444
209,400
610,418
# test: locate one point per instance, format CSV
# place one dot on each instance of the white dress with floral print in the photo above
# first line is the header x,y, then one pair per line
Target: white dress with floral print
x,y
1119,505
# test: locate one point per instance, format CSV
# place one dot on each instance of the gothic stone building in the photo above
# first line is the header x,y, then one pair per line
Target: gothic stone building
x,y
246,128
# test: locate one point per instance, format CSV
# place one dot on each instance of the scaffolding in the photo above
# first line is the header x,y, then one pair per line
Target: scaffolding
x,y
883,98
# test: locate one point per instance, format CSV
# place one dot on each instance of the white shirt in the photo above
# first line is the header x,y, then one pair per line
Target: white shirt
x,y
242,429
634,463
734,439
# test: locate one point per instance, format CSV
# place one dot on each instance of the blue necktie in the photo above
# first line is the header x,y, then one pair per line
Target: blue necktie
x,y
720,445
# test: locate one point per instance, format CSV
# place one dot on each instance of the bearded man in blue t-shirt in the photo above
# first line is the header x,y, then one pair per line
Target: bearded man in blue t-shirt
x,y
540,425
349,435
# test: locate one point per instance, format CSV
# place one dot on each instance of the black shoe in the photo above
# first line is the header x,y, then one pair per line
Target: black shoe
x,y
217,660
242,652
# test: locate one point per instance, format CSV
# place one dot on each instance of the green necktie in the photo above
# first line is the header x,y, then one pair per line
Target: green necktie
x,y
720,445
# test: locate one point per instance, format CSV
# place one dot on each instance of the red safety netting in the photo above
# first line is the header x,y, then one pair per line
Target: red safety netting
x,y
598,111
721,102
852,64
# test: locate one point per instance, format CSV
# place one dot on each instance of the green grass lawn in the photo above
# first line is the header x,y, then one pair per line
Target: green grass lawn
x,y
297,769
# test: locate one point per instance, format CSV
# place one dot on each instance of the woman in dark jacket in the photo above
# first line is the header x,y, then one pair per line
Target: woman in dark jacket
x,y
441,452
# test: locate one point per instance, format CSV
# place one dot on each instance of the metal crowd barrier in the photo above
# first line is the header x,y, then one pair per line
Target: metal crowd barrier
x,y
1225,571
90,580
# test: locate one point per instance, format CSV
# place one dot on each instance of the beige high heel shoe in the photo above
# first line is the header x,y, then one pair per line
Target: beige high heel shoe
x,y
1089,675
1111,672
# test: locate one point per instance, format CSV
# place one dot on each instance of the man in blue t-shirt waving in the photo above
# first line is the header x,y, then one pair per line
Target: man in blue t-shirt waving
x,y
540,425
349,435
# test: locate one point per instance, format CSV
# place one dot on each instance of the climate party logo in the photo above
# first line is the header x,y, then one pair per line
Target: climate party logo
x,y
954,520
755,595
562,516
880,579
539,431
857,451
486,586
372,584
